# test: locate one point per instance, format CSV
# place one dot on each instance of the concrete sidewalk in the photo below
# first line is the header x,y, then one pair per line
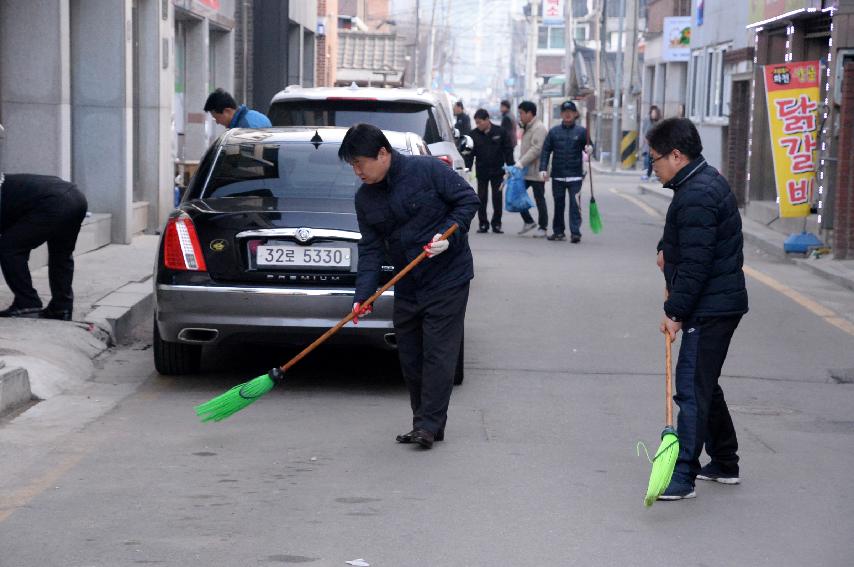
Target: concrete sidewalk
x,y
113,292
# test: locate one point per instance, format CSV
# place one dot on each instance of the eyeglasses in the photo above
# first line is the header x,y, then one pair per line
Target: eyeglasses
x,y
656,159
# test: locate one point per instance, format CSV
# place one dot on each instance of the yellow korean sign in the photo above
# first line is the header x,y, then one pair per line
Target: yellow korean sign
x,y
791,91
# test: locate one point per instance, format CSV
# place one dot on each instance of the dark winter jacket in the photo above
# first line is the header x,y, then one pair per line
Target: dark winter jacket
x,y
702,246
567,144
23,193
246,118
509,125
492,150
463,123
419,198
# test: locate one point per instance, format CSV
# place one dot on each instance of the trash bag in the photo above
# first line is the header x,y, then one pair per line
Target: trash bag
x,y
516,198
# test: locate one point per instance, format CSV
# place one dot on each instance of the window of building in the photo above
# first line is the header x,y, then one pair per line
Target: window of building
x,y
551,37
708,87
715,83
580,33
695,86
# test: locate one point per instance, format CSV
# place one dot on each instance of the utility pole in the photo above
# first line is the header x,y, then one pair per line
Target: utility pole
x,y
530,67
417,34
600,33
569,41
428,68
629,121
615,111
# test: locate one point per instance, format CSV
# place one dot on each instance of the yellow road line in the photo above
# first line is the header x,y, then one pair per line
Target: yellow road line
x,y
809,304
10,503
643,206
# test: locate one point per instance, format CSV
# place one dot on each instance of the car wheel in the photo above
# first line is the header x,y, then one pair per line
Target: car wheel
x,y
175,358
460,372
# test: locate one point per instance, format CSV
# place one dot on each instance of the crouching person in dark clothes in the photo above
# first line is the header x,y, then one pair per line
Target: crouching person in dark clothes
x,y
403,207
701,257
35,209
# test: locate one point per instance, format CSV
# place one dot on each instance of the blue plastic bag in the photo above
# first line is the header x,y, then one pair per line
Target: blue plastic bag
x,y
516,198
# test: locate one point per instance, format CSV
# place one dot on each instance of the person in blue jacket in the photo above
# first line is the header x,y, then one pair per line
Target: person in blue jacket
x,y
404,205
565,144
225,112
701,255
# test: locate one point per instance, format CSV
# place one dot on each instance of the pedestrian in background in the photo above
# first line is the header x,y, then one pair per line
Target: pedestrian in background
x,y
701,255
225,112
491,152
463,122
405,203
565,144
533,135
507,121
652,119
35,209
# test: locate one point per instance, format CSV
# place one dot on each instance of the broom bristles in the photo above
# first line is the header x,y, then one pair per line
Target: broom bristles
x,y
235,399
662,466
595,219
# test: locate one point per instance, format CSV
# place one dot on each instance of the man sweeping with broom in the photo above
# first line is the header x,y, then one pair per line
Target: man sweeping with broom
x,y
701,256
405,202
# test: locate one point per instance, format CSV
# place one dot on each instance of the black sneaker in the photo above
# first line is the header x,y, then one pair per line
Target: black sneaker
x,y
58,314
678,490
575,239
497,230
716,473
556,237
483,229
27,312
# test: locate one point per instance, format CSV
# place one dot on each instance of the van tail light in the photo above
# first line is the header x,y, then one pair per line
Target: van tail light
x,y
447,160
181,248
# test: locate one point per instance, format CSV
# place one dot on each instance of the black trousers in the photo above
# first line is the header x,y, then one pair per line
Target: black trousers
x,y
482,190
429,333
539,189
56,221
704,417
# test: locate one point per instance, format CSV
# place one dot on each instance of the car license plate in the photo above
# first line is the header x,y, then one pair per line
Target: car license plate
x,y
318,256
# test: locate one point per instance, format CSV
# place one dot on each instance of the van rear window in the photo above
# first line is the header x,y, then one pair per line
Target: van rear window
x,y
386,115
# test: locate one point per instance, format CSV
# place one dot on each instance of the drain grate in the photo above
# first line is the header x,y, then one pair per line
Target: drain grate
x,y
842,375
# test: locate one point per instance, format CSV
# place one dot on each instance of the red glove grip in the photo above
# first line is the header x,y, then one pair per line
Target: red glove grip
x,y
360,311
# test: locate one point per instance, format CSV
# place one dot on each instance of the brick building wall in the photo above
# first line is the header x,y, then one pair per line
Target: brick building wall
x,y
657,10
843,221
327,45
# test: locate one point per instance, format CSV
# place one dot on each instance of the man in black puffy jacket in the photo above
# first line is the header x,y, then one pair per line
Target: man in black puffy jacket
x,y
492,151
565,145
701,256
403,206
35,209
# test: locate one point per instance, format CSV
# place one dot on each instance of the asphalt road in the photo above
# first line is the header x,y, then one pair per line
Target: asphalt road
x,y
564,368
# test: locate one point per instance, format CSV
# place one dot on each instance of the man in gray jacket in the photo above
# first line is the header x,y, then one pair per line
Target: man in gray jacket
x,y
534,133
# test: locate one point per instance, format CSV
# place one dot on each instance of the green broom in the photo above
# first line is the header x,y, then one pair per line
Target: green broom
x,y
242,395
595,219
665,458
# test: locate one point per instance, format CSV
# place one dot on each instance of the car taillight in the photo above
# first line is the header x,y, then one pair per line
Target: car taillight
x,y
447,159
181,248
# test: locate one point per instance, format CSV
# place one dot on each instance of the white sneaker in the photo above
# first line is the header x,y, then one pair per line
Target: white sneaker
x,y
541,233
527,227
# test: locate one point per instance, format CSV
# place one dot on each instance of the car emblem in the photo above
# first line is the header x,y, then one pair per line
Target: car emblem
x,y
218,245
303,235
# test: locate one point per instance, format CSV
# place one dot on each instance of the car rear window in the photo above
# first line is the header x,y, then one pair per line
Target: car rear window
x,y
387,115
282,170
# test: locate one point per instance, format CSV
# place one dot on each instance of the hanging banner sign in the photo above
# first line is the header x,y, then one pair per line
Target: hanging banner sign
x,y
553,12
676,39
791,93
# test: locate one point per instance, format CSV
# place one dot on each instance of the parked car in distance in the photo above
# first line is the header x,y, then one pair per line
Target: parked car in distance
x,y
411,110
264,246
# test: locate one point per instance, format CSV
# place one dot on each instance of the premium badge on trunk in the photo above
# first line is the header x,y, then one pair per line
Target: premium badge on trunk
x,y
303,235
218,245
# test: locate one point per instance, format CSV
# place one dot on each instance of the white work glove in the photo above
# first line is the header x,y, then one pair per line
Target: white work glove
x,y
519,165
436,246
544,175
588,148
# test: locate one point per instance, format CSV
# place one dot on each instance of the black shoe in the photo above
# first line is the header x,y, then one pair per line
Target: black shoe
x,y
424,438
497,230
58,314
483,229
556,237
28,312
408,437
575,239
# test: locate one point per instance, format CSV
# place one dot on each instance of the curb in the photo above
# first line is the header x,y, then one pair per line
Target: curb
x,y
14,387
120,311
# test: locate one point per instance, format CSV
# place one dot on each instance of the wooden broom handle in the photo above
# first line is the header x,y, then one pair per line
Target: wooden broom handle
x,y
668,356
320,340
